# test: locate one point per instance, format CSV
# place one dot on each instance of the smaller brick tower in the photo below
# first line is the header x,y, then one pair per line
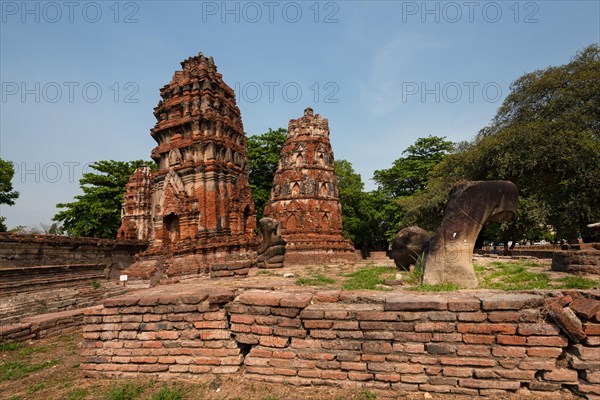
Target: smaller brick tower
x,y
305,196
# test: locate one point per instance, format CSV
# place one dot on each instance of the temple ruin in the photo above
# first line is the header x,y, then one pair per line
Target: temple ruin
x,y
199,207
305,196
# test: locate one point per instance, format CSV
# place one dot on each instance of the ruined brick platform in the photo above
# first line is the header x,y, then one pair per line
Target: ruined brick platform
x,y
473,343
305,196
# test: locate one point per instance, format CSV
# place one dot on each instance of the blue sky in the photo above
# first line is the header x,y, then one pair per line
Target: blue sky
x,y
80,79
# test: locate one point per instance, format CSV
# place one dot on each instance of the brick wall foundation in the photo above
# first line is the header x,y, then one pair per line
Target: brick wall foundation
x,y
477,343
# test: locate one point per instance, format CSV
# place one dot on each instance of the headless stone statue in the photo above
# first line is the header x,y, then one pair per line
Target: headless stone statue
x,y
408,246
470,206
271,250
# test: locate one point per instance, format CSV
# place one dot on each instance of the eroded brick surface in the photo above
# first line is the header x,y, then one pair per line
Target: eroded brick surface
x,y
305,197
196,210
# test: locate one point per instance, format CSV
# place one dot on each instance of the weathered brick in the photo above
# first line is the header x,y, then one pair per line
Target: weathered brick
x,y
271,341
296,300
440,348
323,334
376,316
376,347
510,301
568,321
585,308
561,375
359,376
591,329
407,368
312,314
413,336
345,325
260,298
328,297
387,377
435,327
464,304
377,335
538,329
507,329
551,352
336,375
509,351
504,316
408,347
415,302
414,378
489,384
472,316
478,339
462,361
285,311
458,372
242,319
446,337
336,314
289,332
318,324
353,366
310,373
472,350
586,353
550,341
538,365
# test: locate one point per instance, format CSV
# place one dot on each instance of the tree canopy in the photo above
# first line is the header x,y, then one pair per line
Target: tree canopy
x,y
97,212
409,175
263,158
546,139
7,194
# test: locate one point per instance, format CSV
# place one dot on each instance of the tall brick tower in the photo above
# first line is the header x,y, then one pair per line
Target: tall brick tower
x,y
305,196
202,213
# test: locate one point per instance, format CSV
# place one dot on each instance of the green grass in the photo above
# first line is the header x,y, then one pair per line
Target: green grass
x,y
315,280
31,350
518,276
96,284
368,395
126,391
511,276
369,277
13,370
442,287
576,282
77,394
35,388
167,393
11,346
267,273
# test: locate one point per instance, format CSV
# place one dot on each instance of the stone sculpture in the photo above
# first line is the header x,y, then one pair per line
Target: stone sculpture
x,y
408,246
305,196
271,248
470,206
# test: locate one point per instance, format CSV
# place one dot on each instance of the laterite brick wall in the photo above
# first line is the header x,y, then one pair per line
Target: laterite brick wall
x,y
476,343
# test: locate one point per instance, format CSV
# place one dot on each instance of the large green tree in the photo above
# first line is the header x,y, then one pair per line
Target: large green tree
x,y
263,158
409,174
546,139
7,194
97,212
366,215
408,177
